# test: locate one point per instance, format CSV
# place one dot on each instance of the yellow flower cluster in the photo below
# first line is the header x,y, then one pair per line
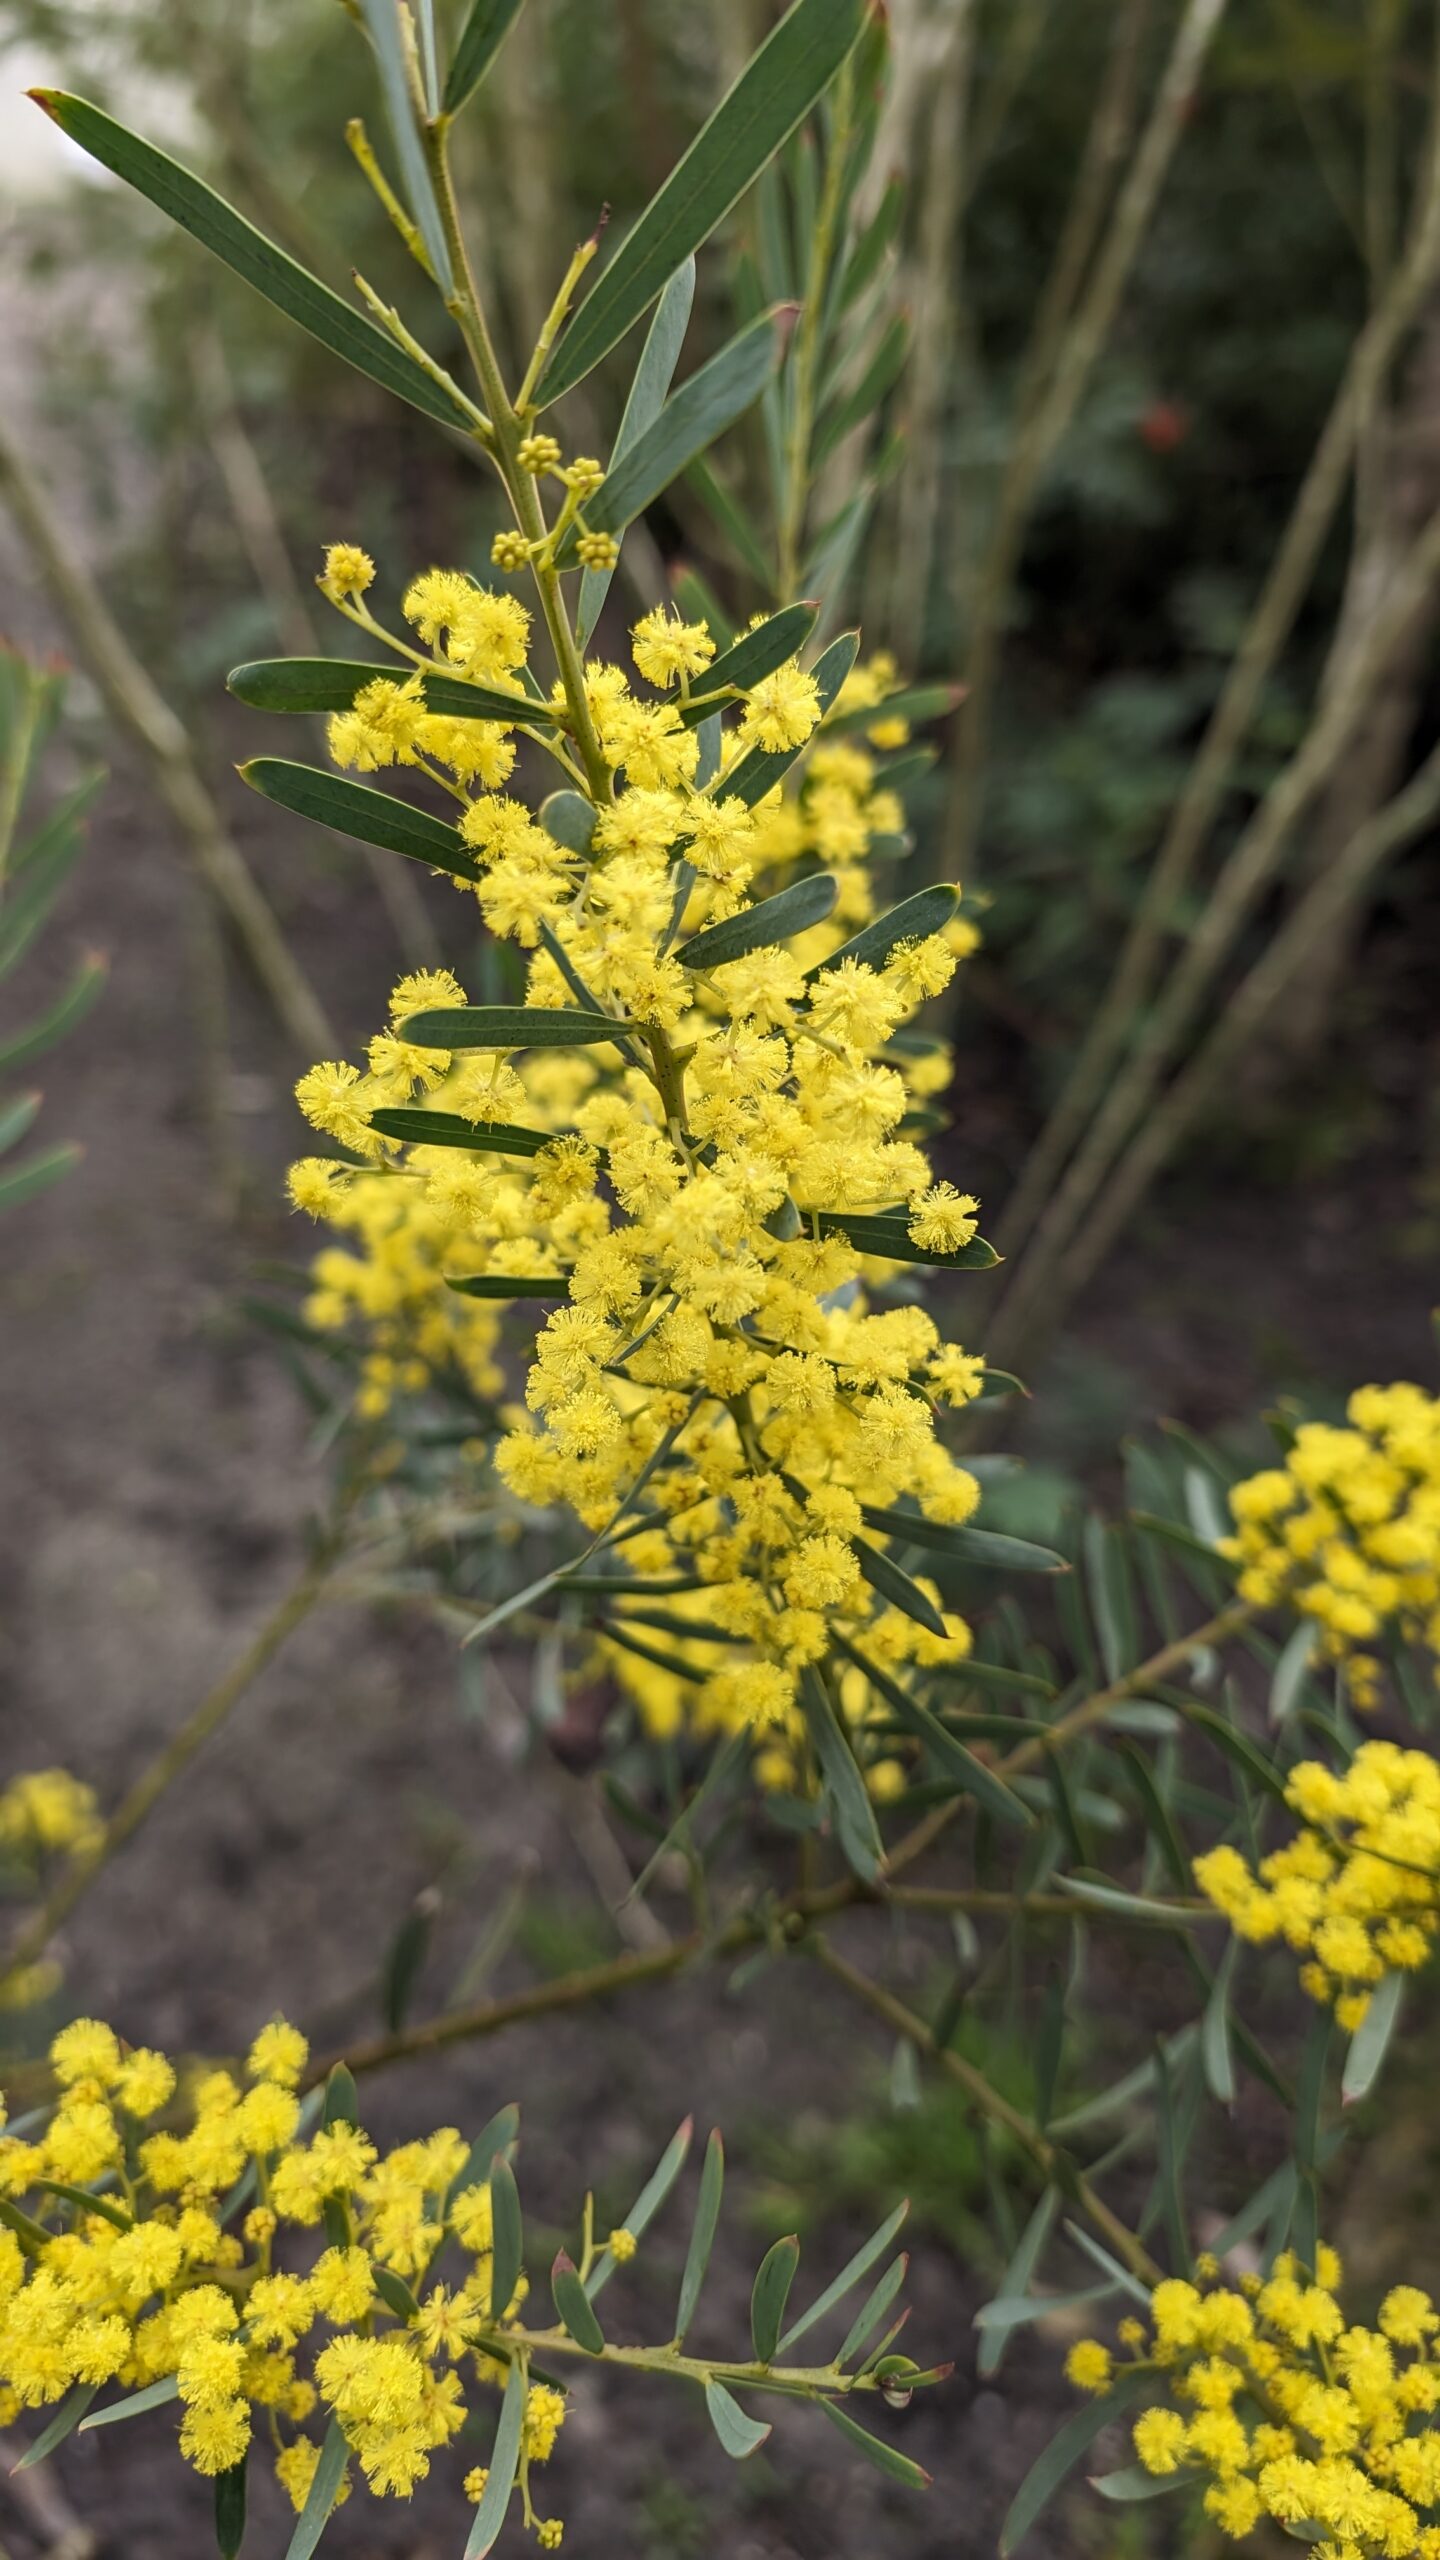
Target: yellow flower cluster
x,y
134,2257
45,1813
1348,1530
716,1395
1358,1890
1286,2411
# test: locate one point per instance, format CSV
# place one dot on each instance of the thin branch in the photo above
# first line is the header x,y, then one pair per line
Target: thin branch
x,y
1039,435
1271,622
1281,967
1054,2166
1042,1283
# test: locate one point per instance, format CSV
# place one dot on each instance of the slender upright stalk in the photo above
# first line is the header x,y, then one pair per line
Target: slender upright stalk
x,y
1271,622
1040,434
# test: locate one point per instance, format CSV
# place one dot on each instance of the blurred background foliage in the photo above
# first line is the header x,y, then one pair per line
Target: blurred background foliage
x,y
211,448
1278,222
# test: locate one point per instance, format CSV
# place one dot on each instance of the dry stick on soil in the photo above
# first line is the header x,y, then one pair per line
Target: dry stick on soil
x,y
1040,433
138,709
169,1763
1047,1275
1053,2164
797,1911
1265,634
1281,968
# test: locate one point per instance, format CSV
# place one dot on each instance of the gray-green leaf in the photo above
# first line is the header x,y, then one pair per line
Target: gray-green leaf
x,y
772,94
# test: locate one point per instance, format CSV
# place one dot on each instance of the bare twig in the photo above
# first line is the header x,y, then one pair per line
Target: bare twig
x,y
1040,434
989,2102
1044,1280
1266,632
1281,967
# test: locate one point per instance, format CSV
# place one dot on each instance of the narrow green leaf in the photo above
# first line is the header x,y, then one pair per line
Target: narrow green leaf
x,y
249,254
509,1026
315,685
889,1237
1237,1747
381,22
648,2202
653,376
1112,1598
21,1047
88,2202
1009,2312
740,2435
855,1824
771,921
702,2234
755,654
971,1775
66,2419
507,2245
353,809
504,2462
404,1962
230,2509
1062,2454
929,911
1131,1906
510,1285
1016,2281
134,2405
41,873
448,1129
395,2293
966,1546
769,2295
1133,2485
1291,1671
324,2489
875,383
703,409
863,263
917,702
1168,2169
499,2135
884,2456
732,521
852,2273
481,37
893,1584
1370,2042
341,2105
872,2311
760,770
37,1174
1216,2055
773,93
16,1116
573,2305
